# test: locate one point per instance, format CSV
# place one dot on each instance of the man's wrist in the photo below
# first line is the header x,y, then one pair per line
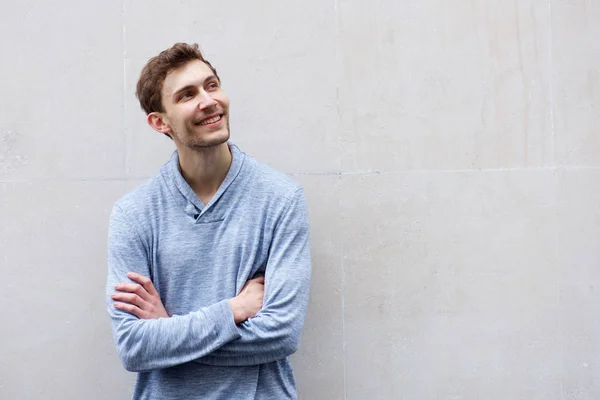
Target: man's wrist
x,y
238,315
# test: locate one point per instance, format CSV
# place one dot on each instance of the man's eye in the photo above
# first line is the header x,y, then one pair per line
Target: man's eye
x,y
213,85
185,96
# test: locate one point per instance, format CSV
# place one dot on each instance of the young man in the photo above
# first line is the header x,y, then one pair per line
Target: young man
x,y
209,261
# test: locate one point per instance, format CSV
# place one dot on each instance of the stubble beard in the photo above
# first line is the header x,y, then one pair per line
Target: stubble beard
x,y
198,141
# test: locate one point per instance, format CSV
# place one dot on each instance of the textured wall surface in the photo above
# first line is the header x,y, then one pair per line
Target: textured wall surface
x,y
450,151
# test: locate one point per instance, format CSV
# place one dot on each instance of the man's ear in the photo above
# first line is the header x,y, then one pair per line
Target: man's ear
x,y
158,123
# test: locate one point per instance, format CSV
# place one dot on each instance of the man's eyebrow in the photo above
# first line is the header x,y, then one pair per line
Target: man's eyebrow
x,y
190,87
183,89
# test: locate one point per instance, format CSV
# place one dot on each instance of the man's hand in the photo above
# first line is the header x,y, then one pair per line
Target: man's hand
x,y
140,299
250,300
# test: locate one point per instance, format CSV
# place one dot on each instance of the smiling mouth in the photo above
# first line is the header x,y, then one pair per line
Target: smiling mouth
x,y
210,120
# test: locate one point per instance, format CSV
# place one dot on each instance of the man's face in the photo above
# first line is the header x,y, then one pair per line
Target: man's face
x,y
196,109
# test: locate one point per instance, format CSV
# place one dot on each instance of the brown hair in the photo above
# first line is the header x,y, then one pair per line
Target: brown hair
x,y
150,84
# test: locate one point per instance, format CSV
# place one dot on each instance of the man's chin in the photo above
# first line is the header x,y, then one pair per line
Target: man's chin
x,y
208,141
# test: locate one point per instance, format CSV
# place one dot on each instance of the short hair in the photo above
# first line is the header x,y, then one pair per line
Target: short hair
x,y
150,84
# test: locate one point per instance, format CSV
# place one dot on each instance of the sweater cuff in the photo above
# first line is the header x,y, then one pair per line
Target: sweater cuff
x,y
224,323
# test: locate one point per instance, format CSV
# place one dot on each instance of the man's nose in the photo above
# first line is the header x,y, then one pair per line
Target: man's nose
x,y
206,100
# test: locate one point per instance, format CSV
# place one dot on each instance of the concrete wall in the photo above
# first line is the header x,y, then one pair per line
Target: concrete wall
x,y
450,151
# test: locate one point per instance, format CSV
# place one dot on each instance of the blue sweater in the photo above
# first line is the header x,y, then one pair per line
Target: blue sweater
x,y
199,256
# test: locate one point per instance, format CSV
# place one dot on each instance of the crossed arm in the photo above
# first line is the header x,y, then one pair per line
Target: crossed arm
x,y
247,330
142,300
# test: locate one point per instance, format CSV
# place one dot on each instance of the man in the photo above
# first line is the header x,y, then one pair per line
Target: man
x,y
209,261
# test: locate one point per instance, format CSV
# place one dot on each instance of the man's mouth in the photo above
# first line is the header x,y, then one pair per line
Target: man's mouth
x,y
210,120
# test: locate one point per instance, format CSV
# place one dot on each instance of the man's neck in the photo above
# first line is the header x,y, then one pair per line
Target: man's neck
x,y
205,169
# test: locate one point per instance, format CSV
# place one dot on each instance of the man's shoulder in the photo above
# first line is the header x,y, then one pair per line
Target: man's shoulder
x,y
270,181
142,198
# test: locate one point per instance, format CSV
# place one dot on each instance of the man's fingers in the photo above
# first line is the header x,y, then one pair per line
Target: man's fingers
x,y
140,299
130,298
260,279
133,288
144,281
130,309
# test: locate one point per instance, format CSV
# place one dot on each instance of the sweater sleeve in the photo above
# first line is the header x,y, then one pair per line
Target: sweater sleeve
x,y
163,342
274,333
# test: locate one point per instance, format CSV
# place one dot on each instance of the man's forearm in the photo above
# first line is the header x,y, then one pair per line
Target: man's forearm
x,y
166,342
141,299
262,340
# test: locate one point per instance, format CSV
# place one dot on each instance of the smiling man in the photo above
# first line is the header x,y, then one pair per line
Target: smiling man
x,y
209,261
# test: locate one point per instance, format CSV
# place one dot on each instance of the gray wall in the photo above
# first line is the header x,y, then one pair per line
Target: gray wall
x,y
450,151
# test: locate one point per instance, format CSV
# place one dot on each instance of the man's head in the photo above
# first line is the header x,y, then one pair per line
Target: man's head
x,y
181,94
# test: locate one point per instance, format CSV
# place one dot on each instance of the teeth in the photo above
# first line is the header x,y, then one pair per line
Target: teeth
x,y
210,121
